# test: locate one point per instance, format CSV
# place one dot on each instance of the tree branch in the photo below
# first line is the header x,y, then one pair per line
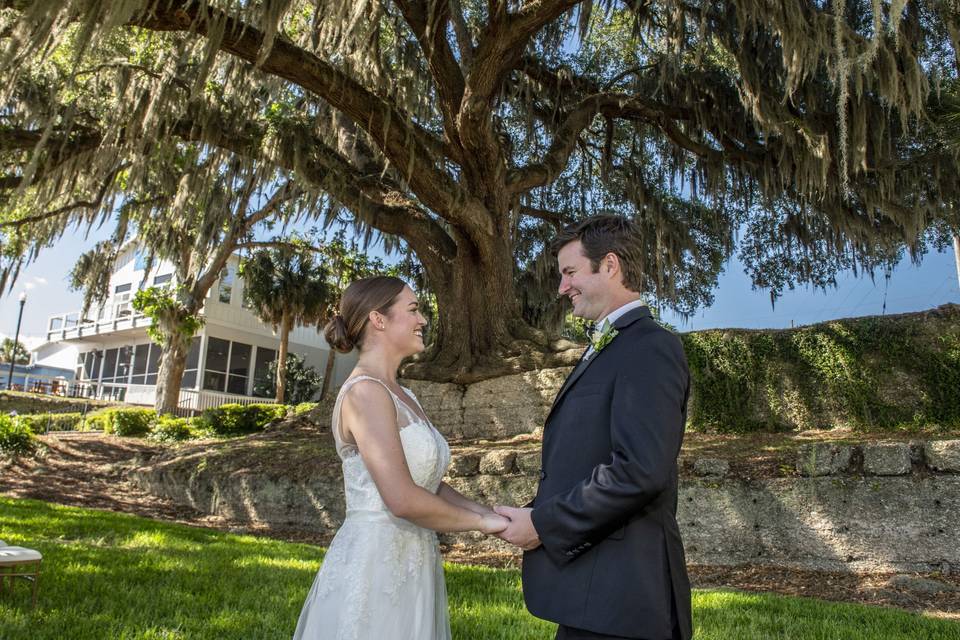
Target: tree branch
x,y
62,148
404,143
558,220
79,204
278,244
119,64
429,25
464,41
371,200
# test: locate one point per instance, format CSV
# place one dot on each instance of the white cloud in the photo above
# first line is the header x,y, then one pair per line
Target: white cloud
x,y
30,342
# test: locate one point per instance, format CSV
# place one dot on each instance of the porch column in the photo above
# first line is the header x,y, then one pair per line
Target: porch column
x,y
253,364
202,359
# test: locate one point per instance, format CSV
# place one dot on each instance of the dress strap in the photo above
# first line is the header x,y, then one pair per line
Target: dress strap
x,y
342,445
349,383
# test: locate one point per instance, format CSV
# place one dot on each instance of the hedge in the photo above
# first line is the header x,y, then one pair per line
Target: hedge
x,y
238,419
16,438
873,373
172,429
43,422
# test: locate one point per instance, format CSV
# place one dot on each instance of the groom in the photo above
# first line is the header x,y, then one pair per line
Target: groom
x,y
604,558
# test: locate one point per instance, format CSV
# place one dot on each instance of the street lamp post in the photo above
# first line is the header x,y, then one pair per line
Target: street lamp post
x,y
16,340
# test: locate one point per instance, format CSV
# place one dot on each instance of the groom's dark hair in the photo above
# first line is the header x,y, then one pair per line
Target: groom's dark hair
x,y
603,234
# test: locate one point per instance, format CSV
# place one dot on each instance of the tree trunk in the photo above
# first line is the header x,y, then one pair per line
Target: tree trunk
x,y
173,360
480,331
285,326
327,375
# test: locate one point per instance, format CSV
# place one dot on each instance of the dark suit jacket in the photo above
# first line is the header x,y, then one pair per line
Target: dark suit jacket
x,y
612,560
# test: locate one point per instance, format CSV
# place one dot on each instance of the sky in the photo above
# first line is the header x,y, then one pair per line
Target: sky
x,y
737,305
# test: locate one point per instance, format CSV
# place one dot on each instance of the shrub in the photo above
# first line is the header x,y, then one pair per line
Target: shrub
x,y
238,419
302,408
43,422
171,429
121,421
132,422
98,420
302,381
16,438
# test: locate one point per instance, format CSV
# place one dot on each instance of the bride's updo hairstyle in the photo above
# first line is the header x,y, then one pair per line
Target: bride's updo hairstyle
x,y
345,330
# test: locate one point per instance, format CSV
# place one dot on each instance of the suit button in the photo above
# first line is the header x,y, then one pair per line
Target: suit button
x,y
569,553
543,474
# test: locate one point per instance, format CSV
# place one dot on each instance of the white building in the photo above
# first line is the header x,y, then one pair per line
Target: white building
x,y
113,357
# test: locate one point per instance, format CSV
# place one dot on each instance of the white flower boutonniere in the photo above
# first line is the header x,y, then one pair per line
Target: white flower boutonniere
x,y
602,336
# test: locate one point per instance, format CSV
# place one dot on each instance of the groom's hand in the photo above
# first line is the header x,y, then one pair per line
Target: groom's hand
x,y
520,531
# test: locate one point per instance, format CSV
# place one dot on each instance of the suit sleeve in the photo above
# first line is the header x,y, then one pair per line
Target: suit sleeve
x,y
646,429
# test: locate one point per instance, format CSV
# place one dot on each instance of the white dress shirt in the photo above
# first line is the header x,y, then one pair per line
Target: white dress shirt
x,y
612,317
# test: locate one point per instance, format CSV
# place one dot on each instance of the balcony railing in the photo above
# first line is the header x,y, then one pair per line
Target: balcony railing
x,y
72,325
191,401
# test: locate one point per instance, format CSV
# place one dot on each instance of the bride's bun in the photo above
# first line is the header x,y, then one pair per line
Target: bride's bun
x,y
337,335
345,331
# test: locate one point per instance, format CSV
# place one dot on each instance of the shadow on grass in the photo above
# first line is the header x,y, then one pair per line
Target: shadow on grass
x,y
121,577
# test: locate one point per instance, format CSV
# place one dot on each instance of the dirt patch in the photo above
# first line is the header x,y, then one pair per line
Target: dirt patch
x,y
90,469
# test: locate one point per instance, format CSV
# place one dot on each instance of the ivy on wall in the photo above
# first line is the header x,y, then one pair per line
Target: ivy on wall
x,y
873,373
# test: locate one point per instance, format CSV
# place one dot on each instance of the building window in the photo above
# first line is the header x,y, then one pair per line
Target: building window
x,y
239,368
121,301
226,283
153,364
91,365
139,260
165,278
261,372
109,365
215,372
55,323
189,380
124,355
140,353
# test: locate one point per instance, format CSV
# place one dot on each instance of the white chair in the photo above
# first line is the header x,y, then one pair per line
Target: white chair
x,y
20,562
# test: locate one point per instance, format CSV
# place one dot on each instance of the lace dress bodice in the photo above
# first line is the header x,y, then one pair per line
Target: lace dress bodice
x,y
425,450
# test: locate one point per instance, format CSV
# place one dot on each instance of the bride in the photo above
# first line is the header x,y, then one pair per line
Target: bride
x,y
382,576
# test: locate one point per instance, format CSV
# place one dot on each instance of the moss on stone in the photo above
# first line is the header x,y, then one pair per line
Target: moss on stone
x,y
895,372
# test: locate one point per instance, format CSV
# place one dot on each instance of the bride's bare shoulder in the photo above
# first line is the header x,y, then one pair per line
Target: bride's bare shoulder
x,y
367,397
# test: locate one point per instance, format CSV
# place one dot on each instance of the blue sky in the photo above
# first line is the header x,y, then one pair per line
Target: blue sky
x,y
910,288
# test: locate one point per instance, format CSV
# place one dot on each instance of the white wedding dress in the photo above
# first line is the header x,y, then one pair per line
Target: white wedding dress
x,y
382,577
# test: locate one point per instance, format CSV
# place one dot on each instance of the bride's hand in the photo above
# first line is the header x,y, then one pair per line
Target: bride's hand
x,y
491,523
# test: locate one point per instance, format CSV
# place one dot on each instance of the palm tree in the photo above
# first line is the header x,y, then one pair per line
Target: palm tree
x,y
284,287
16,352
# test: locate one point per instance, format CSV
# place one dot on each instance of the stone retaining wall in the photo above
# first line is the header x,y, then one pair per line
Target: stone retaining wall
x,y
878,507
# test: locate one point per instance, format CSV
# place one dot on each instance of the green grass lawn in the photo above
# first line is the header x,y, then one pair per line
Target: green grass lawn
x,y
117,576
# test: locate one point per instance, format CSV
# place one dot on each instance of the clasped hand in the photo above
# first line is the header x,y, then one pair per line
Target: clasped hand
x,y
519,530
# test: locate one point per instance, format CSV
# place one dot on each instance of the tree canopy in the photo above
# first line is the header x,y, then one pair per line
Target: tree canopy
x,y
811,133
15,352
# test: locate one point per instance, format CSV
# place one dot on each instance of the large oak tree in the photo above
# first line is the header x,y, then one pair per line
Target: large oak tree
x,y
470,130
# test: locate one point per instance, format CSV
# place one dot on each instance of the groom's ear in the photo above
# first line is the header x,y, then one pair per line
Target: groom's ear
x,y
610,264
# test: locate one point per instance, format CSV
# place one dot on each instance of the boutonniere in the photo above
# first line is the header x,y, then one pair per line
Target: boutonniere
x,y
601,337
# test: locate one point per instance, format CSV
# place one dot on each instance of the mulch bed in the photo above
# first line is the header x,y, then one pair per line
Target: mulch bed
x,y
89,470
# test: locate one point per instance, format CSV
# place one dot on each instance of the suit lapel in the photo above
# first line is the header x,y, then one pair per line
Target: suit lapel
x,y
623,321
